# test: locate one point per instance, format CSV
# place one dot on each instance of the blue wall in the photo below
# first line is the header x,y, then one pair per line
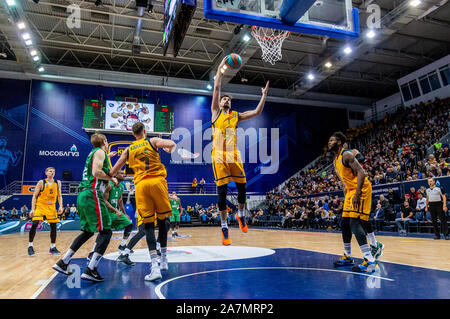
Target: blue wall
x,y
13,115
56,111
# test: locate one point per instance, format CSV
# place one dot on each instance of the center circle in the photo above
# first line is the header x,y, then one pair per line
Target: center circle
x,y
186,254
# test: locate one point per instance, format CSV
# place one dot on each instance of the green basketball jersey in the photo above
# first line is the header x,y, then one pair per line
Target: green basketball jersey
x,y
115,194
175,206
89,181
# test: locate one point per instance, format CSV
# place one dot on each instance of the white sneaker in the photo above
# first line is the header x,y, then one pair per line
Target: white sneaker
x,y
164,264
154,275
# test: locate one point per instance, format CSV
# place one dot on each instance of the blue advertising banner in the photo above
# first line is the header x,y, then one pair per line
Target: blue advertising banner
x,y
13,116
273,146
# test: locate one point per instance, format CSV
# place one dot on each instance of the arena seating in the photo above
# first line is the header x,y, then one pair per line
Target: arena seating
x,y
407,151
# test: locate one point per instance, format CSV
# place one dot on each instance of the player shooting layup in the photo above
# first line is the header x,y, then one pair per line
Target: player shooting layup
x,y
226,160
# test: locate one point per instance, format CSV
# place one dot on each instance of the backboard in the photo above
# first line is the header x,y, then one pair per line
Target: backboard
x,y
333,18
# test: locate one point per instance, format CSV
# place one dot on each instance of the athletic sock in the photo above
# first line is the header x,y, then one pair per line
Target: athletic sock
x,y
224,224
163,252
154,258
126,251
98,261
52,246
240,213
30,244
93,248
367,253
372,239
158,246
348,249
68,256
123,242
94,261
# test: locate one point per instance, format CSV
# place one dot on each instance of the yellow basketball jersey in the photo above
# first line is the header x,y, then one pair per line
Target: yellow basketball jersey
x,y
348,177
144,160
224,133
48,194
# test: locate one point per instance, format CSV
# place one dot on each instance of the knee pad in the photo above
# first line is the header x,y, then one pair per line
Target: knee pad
x,y
222,201
242,192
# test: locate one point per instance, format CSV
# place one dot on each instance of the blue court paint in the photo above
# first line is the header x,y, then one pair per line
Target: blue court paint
x,y
286,274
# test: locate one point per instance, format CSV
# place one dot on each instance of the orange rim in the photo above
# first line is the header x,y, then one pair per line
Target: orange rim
x,y
282,35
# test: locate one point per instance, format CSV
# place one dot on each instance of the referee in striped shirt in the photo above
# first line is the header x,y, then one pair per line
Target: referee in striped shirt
x,y
437,206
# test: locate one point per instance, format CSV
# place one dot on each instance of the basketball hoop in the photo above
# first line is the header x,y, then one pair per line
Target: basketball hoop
x,y
270,41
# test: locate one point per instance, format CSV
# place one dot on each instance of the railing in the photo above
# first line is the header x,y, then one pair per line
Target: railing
x,y
71,187
12,188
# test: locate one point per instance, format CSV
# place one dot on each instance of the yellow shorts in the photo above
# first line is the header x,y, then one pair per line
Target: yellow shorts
x,y
365,205
152,198
225,171
140,220
47,211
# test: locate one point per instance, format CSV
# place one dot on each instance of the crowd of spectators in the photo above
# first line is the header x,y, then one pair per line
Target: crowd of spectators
x,y
69,212
301,213
395,150
211,215
14,214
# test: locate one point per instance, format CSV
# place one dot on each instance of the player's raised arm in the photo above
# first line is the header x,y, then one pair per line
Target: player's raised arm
x,y
167,145
217,88
120,163
250,114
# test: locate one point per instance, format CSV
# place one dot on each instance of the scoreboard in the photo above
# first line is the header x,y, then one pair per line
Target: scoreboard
x,y
112,116
177,18
94,114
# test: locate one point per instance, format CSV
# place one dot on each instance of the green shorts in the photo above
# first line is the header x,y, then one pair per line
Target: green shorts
x,y
94,216
175,218
119,223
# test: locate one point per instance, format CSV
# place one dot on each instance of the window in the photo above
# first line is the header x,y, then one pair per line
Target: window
x,y
425,84
445,75
406,93
414,88
434,80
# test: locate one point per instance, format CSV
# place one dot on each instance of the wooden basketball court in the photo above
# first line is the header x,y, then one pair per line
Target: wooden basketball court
x,y
22,276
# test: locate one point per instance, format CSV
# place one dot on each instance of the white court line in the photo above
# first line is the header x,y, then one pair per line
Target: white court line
x,y
382,260
45,284
161,296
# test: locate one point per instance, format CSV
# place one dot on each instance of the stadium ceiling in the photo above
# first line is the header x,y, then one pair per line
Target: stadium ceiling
x,y
105,39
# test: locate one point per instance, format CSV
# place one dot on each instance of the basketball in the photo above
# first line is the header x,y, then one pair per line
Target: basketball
x,y
234,61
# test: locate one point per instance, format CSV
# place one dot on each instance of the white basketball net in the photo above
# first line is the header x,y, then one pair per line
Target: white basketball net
x,y
270,41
